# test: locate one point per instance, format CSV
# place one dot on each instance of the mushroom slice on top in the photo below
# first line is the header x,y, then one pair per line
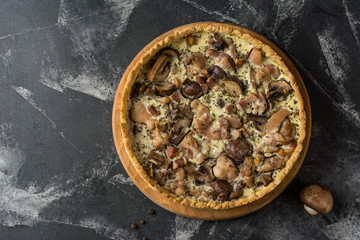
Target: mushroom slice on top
x,y
165,88
237,149
255,56
161,138
162,161
191,89
159,70
271,164
170,52
219,43
274,139
139,114
232,87
221,59
225,169
278,89
186,111
276,120
223,189
180,129
247,171
216,72
258,121
195,63
189,146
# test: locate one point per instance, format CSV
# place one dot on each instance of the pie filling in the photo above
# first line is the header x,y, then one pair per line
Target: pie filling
x,y
212,118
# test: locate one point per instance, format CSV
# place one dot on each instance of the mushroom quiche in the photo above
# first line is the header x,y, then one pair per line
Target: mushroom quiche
x,y
212,118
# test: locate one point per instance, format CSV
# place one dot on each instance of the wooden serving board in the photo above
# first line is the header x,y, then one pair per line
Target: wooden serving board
x,y
205,213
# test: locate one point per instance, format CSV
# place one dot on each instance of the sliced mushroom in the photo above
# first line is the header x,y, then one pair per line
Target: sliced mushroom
x,y
238,149
195,63
223,189
186,111
199,177
160,139
316,199
278,89
206,169
288,149
259,122
252,79
247,171
234,121
172,151
274,139
139,114
234,195
170,52
265,179
232,49
216,72
225,169
158,71
221,59
180,129
189,146
249,99
232,87
191,89
276,120
179,188
255,56
165,88
271,164
230,109
162,161
287,129
161,176
219,43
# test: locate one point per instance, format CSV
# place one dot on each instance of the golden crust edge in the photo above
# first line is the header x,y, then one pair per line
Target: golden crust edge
x,y
269,52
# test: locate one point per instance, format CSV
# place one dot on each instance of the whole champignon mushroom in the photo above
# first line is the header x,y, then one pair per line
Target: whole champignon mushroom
x,y
316,199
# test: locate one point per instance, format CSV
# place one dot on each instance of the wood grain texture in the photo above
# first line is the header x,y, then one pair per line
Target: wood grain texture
x,y
206,213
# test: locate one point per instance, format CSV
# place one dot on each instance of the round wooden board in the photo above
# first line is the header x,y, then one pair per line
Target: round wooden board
x,y
206,213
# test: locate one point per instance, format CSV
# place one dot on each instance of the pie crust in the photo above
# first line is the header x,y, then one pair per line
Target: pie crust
x,y
267,51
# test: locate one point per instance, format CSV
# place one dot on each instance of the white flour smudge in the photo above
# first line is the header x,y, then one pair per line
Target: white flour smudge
x,y
27,95
337,61
288,11
348,227
89,84
123,9
120,179
219,14
90,79
104,227
17,205
353,22
49,78
186,227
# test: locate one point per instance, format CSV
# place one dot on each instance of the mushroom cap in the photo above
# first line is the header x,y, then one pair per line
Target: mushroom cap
x,y
318,198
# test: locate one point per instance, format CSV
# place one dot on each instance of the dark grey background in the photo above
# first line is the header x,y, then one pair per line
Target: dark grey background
x,y
60,64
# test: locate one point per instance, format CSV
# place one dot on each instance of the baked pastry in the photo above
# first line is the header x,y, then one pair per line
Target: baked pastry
x,y
212,117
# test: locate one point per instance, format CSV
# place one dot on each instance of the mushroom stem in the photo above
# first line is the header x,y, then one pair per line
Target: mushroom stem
x,y
309,210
